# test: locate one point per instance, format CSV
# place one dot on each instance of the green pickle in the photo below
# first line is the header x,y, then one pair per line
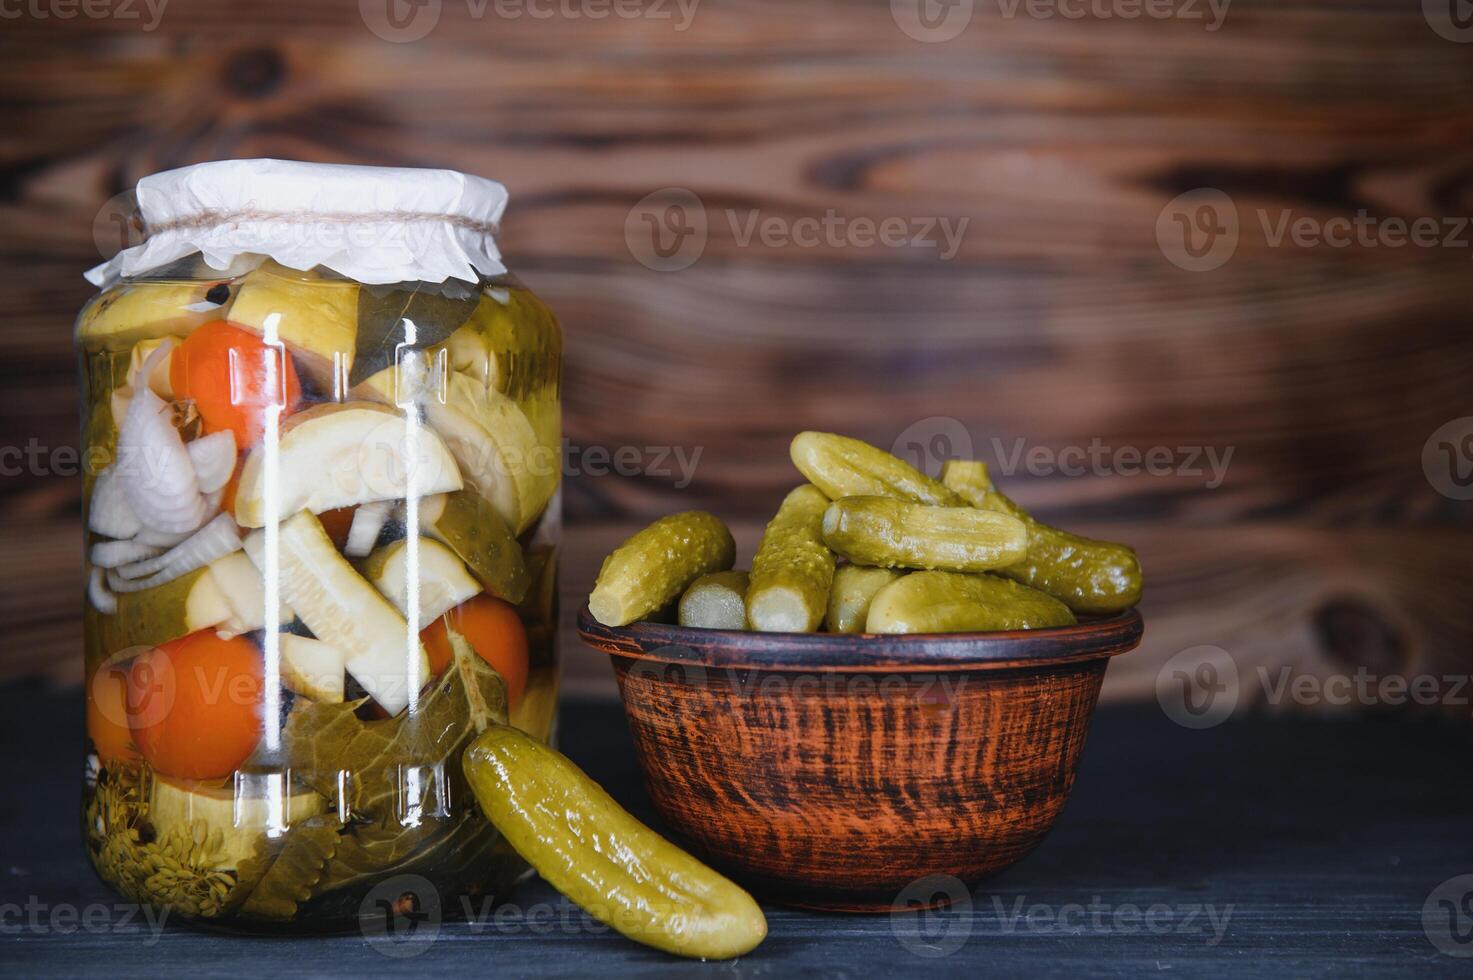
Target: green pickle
x,y
845,467
855,587
654,567
717,601
955,602
793,569
891,533
1094,578
591,850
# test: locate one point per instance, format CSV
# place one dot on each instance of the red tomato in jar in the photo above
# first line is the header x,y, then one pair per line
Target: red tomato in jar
x,y
194,705
494,630
228,373
107,715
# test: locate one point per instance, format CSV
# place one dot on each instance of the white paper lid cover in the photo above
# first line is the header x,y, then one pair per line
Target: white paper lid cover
x,y
371,224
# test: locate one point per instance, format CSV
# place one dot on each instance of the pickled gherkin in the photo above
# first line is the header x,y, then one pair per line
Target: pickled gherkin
x,y
655,566
717,601
890,533
793,569
954,602
1091,577
589,848
855,587
845,467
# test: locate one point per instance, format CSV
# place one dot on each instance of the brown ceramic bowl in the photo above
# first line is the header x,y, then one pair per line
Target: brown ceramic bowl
x,y
833,771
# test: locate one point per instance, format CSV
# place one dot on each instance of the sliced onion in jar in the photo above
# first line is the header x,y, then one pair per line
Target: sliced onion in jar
x,y
213,457
158,474
97,593
368,521
110,512
215,540
114,554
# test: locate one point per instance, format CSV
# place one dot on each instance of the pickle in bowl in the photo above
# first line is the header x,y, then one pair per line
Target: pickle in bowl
x,y
956,602
716,601
1092,577
793,569
655,566
891,533
855,587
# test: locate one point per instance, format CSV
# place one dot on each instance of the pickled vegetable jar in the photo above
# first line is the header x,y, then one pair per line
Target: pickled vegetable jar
x,y
322,427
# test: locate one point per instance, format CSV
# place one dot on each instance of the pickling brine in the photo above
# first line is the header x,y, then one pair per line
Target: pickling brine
x,y
322,530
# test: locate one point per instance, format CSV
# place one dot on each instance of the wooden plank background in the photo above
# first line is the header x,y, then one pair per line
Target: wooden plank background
x,y
1059,321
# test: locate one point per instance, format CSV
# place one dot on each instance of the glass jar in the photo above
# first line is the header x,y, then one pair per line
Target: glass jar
x,y
322,531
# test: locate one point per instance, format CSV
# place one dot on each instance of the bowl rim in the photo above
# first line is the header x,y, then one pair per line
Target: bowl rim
x,y
1092,638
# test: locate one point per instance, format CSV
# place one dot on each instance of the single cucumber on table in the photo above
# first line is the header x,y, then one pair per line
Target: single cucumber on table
x,y
845,467
655,566
1091,577
591,850
891,533
717,601
956,602
793,569
855,587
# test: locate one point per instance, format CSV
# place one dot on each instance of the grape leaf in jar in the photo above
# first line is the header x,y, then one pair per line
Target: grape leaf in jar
x,y
322,740
272,884
435,309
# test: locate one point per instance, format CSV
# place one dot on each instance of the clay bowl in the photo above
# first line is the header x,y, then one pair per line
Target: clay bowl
x,y
832,771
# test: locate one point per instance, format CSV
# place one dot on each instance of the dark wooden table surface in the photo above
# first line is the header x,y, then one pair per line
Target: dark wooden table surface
x,y
1267,846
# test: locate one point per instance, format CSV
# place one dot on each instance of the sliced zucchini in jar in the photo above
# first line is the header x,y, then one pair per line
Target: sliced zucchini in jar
x,y
122,316
444,582
226,827
340,607
312,668
334,456
315,318
471,527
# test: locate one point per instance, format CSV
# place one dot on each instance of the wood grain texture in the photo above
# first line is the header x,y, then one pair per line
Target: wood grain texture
x,y
1059,321
1315,843
838,788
